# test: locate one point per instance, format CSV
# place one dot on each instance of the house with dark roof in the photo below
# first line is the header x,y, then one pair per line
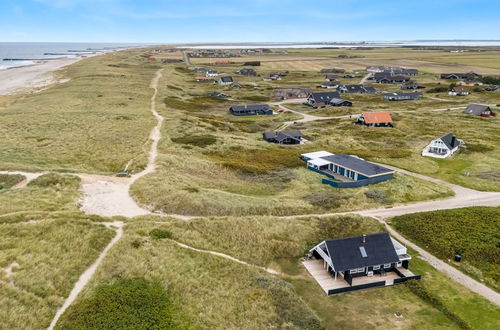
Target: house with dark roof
x,y
335,102
359,262
402,96
346,171
247,72
411,85
388,78
443,147
492,89
218,95
479,110
331,77
321,99
251,110
356,89
292,93
375,119
225,80
467,75
283,137
459,91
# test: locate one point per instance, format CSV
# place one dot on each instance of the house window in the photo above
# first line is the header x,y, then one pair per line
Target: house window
x,y
353,271
376,267
361,270
387,265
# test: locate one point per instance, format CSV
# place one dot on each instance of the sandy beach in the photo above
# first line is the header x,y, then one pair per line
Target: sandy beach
x,y
32,76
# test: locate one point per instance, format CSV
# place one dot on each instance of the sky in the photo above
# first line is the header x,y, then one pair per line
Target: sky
x,y
201,21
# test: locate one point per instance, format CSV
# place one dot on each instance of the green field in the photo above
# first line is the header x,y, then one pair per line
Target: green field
x,y
470,232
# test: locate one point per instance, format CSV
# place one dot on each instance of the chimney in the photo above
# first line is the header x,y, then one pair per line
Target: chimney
x,y
364,238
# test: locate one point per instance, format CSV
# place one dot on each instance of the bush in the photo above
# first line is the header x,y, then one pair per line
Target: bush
x,y
293,312
125,304
196,140
9,180
55,180
490,80
159,234
438,90
378,196
326,200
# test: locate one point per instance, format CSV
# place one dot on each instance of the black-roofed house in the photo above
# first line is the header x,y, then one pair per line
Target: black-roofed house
x,y
247,72
227,80
292,93
479,110
443,147
340,103
411,85
356,89
467,75
251,110
283,137
402,96
388,78
329,84
218,95
346,171
359,262
321,99
331,77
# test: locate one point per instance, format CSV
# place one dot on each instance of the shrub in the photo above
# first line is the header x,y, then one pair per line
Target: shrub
x,y
9,180
196,140
437,90
378,196
160,234
291,309
55,180
124,304
326,200
490,80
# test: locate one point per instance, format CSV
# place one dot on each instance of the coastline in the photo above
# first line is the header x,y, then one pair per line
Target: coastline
x,y
36,75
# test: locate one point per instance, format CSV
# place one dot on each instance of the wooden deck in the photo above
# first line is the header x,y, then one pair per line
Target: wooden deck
x,y
327,282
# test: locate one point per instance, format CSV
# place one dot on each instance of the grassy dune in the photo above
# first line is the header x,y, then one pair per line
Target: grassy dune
x,y
211,292
51,253
212,163
95,122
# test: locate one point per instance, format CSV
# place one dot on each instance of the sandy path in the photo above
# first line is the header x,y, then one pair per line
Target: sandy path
x,y
223,255
365,78
109,196
450,271
89,272
33,76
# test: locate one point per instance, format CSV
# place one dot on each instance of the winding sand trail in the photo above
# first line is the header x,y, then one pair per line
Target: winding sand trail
x,y
226,256
89,272
110,196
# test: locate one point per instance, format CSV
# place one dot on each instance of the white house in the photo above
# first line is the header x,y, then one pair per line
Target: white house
x,y
443,147
211,73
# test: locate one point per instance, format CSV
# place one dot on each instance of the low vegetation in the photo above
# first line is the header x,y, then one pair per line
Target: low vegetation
x,y
470,232
125,304
9,180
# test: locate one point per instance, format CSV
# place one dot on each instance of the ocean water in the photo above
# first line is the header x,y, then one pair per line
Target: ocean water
x,y
36,50
348,44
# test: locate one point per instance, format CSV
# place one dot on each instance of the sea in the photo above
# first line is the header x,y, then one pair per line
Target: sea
x,y
348,44
26,53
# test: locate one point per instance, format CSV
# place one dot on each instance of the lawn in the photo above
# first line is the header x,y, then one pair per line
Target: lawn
x,y
471,232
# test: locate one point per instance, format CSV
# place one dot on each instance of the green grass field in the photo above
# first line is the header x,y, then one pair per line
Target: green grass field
x,y
470,232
